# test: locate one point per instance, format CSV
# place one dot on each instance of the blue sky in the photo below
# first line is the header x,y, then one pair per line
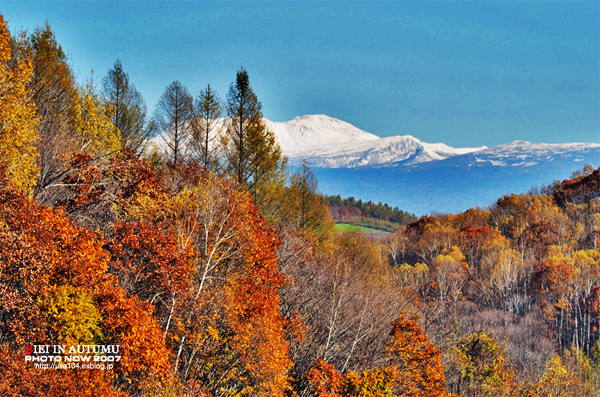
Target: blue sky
x,y
464,73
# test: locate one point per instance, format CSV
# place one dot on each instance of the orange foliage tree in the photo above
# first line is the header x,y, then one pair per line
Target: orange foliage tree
x,y
419,363
196,247
56,290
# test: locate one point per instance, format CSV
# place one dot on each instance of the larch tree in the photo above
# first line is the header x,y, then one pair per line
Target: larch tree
x,y
306,209
18,121
54,91
72,118
129,107
206,128
557,381
251,149
173,112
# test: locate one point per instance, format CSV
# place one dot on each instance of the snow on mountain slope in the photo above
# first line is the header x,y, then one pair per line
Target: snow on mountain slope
x,y
527,154
316,130
328,142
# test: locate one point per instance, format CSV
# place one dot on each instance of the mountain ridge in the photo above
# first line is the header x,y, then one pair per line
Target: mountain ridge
x,y
328,142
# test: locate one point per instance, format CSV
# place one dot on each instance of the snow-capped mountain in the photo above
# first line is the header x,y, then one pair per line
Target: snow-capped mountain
x,y
331,143
316,130
527,154
422,177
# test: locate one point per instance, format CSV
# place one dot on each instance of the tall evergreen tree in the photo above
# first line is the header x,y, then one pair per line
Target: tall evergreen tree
x,y
129,107
251,149
173,112
206,128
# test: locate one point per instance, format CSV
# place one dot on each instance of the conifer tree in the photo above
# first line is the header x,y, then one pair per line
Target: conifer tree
x,y
206,128
129,107
305,208
251,150
173,112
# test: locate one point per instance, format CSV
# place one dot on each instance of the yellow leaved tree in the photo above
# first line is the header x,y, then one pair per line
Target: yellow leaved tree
x,y
91,116
18,122
557,381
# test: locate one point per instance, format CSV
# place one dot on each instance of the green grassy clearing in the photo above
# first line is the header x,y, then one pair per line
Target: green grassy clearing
x,y
348,227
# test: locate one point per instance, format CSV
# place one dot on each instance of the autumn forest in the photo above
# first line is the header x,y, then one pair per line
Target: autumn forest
x,y
217,269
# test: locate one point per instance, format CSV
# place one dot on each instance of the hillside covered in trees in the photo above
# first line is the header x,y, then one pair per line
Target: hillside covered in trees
x,y
217,271
379,216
